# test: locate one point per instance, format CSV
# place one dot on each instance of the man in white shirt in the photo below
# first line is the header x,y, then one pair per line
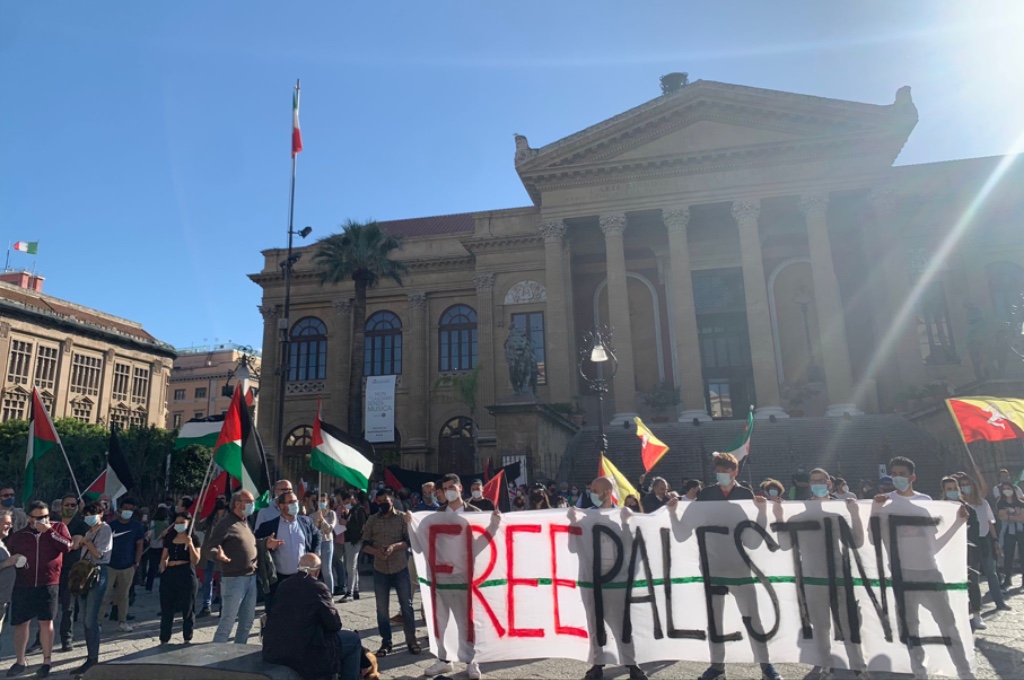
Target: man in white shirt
x,y
901,470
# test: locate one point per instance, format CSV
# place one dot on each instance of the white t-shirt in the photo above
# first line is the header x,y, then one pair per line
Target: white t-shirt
x,y
916,496
462,508
985,518
847,495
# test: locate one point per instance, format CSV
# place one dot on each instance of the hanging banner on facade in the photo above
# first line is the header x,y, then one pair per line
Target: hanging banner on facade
x,y
379,412
860,585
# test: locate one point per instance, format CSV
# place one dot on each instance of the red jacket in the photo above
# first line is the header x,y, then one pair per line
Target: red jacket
x,y
45,553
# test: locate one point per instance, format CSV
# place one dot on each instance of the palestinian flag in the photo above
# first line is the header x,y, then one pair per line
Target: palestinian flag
x,y
117,478
30,247
239,450
336,453
296,131
741,447
42,438
622,487
651,448
201,431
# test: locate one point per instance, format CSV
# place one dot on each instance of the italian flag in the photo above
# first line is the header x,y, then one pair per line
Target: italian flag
x,y
296,131
201,431
30,247
651,448
622,486
741,447
339,455
42,438
239,451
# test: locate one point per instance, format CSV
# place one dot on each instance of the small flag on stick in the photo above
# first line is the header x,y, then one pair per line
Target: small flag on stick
x,y
651,448
296,131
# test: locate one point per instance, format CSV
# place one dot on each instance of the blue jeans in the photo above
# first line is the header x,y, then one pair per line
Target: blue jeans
x,y
90,610
988,569
327,564
382,585
351,654
208,585
237,598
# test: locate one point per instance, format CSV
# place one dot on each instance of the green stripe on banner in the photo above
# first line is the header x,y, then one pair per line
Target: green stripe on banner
x,y
717,580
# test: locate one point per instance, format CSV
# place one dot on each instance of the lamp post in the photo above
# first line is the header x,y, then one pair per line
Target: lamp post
x,y
597,366
244,371
283,326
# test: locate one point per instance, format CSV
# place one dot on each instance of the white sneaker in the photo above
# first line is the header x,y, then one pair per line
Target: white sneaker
x,y
473,670
440,668
125,627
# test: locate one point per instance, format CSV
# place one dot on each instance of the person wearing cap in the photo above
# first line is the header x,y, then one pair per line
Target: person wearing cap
x,y
476,494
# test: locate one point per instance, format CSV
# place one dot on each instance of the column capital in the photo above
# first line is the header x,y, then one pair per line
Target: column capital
x,y
676,219
813,205
746,209
613,224
342,307
882,201
553,231
483,281
270,311
418,300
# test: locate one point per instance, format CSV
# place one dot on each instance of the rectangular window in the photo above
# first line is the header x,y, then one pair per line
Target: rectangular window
x,y
82,410
122,377
46,367
86,372
177,420
21,358
934,332
719,399
140,386
121,417
532,324
198,414
179,395
200,393
15,406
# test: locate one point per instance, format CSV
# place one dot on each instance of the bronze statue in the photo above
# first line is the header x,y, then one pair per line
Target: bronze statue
x,y
522,363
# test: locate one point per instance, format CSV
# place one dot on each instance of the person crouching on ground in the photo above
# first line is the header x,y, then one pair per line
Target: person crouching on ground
x,y
305,631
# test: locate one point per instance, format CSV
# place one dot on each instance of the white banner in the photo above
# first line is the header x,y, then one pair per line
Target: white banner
x,y
379,410
859,585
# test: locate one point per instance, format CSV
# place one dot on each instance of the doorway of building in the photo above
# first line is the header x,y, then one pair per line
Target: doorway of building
x,y
455,446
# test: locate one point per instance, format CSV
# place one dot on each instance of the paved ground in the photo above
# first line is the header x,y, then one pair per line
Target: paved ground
x,y
1000,648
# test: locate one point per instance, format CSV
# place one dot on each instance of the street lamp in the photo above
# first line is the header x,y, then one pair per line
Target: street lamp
x,y
283,325
597,366
245,370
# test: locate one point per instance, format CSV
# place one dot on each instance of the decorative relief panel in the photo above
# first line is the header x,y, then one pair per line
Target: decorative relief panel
x,y
526,292
309,387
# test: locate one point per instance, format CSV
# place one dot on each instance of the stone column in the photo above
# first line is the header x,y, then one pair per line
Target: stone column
x,y
759,324
339,366
415,369
560,363
484,283
614,225
828,303
690,380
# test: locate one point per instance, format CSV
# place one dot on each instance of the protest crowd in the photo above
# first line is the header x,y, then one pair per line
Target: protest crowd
x,y
84,561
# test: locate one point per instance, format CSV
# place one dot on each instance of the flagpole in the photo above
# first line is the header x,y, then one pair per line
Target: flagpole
x,y
202,495
283,324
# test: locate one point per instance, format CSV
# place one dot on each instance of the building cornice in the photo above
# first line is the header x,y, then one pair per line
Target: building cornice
x,y
528,241
434,264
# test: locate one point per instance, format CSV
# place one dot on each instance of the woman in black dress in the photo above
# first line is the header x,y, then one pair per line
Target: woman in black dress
x,y
178,578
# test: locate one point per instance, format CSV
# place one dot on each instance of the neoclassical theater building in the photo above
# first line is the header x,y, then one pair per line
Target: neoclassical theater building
x,y
746,246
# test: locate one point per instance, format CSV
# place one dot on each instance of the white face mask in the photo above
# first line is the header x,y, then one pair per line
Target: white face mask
x,y
596,499
452,495
293,509
477,493
181,528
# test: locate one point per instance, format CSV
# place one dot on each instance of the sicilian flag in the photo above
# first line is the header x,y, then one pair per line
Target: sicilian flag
x,y
651,448
296,131
622,487
42,438
337,454
988,418
239,450
741,447
30,247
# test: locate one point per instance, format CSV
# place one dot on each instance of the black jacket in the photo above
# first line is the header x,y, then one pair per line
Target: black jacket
x,y
714,493
301,631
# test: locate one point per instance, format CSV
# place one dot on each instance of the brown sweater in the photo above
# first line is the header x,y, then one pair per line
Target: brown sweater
x,y
233,536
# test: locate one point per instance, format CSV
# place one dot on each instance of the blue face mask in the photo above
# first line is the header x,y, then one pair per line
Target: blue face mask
x,y
819,490
596,499
966,490
952,495
8,502
901,483
249,509
724,478
127,514
92,520
181,528
773,492
323,506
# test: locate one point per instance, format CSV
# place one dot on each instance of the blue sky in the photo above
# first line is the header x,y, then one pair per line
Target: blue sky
x,y
146,145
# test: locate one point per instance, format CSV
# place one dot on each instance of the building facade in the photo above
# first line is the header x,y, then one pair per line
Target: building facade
x,y
748,247
198,377
87,365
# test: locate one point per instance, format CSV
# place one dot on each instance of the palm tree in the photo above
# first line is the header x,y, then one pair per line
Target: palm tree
x,y
360,253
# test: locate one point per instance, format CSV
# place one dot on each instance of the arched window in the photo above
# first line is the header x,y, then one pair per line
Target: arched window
x,y
455,446
457,339
382,354
308,353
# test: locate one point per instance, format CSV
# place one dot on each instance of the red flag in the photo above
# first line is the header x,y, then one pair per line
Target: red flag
x,y
487,470
302,490
492,489
219,486
391,480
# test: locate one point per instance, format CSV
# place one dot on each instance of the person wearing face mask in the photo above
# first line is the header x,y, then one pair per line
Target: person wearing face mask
x,y
233,545
987,544
772,489
178,560
476,496
94,546
1010,510
1004,478
726,489
428,501
209,566
7,501
72,519
841,490
355,523
288,538
36,592
901,470
271,511
952,493
386,539
538,498
820,484
125,558
325,519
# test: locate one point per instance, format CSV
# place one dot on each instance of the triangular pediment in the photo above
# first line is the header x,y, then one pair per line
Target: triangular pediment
x,y
707,121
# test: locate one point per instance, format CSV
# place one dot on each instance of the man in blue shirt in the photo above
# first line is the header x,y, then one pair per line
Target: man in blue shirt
x,y
428,502
125,557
